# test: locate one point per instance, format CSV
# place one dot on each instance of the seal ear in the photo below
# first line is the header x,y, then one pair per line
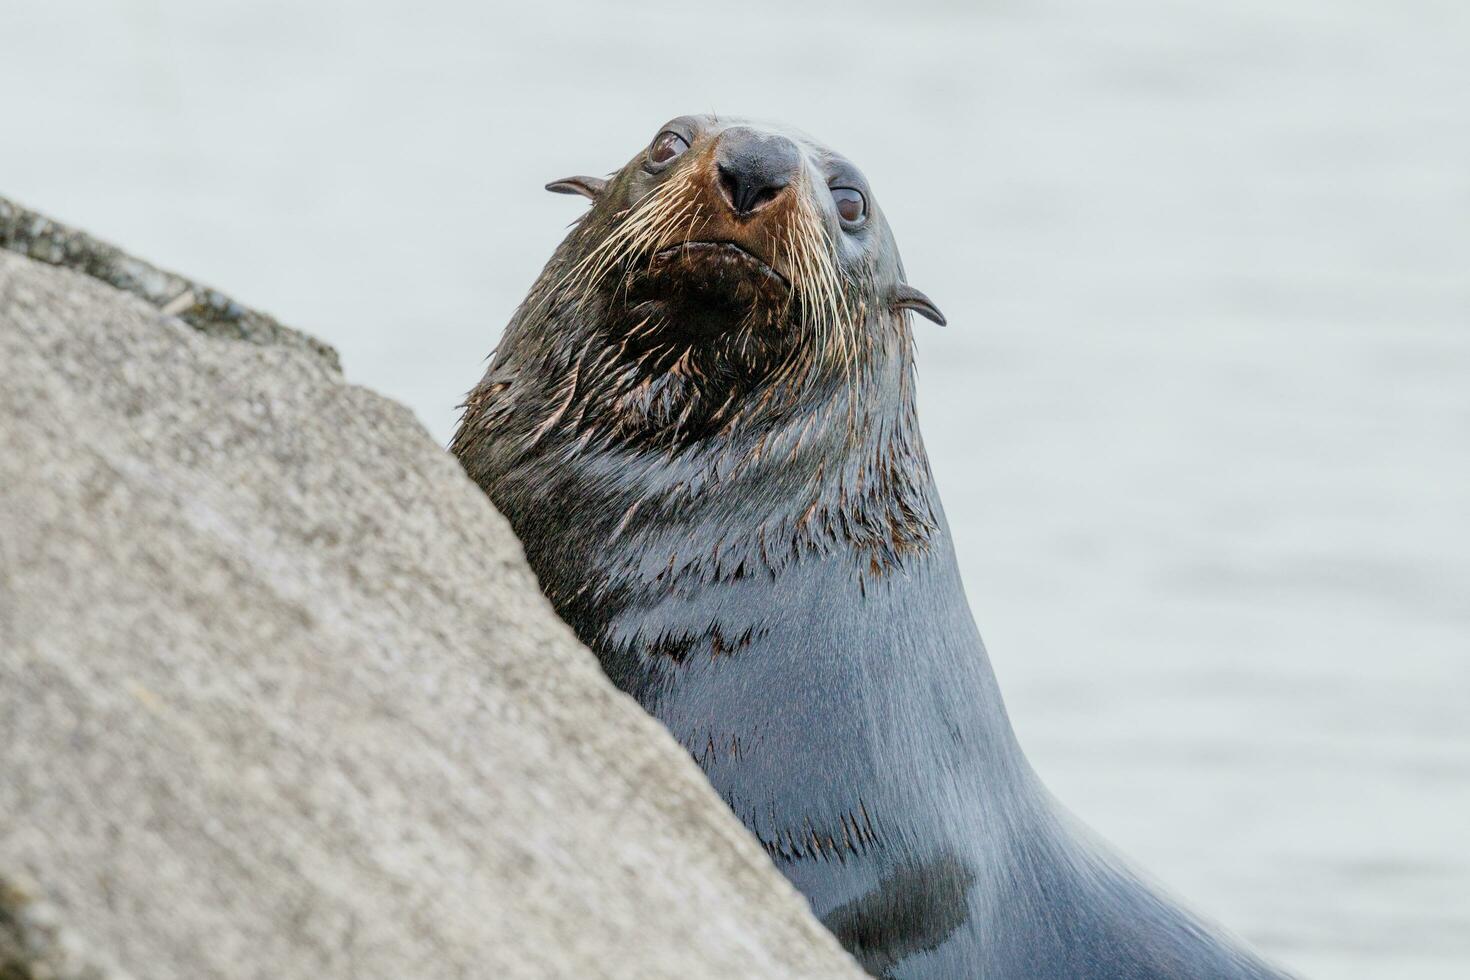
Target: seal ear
x,y
906,297
589,187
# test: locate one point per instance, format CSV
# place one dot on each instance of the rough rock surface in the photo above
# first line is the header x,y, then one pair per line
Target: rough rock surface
x,y
280,698
206,310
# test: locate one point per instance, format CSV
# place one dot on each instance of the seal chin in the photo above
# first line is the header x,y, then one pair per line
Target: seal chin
x,y
720,260
705,289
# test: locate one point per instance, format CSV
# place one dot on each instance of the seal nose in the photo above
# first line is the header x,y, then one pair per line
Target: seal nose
x,y
755,168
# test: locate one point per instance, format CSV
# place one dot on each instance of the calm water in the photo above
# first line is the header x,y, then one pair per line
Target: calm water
x,y
1202,417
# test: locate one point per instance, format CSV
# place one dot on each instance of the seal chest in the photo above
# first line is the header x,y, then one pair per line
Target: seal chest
x,y
701,425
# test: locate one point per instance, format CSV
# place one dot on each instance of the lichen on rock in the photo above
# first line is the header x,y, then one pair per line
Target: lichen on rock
x,y
207,310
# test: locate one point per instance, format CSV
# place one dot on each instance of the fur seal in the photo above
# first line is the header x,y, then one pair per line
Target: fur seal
x,y
701,424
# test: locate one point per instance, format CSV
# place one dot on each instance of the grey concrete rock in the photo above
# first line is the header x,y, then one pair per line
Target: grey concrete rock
x,y
279,697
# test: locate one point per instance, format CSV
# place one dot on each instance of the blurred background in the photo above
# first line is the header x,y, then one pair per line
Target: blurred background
x,y
1201,419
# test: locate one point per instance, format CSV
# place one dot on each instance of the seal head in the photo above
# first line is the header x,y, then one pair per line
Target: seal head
x,y
728,259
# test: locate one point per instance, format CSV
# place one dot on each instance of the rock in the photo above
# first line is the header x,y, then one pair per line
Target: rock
x,y
279,696
206,310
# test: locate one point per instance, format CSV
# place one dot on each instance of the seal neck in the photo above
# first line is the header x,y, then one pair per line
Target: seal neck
x,y
830,464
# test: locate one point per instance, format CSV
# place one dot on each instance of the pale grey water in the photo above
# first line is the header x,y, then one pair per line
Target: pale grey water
x,y
1202,418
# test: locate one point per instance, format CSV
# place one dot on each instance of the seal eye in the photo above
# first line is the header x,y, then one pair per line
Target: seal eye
x,y
666,146
852,207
